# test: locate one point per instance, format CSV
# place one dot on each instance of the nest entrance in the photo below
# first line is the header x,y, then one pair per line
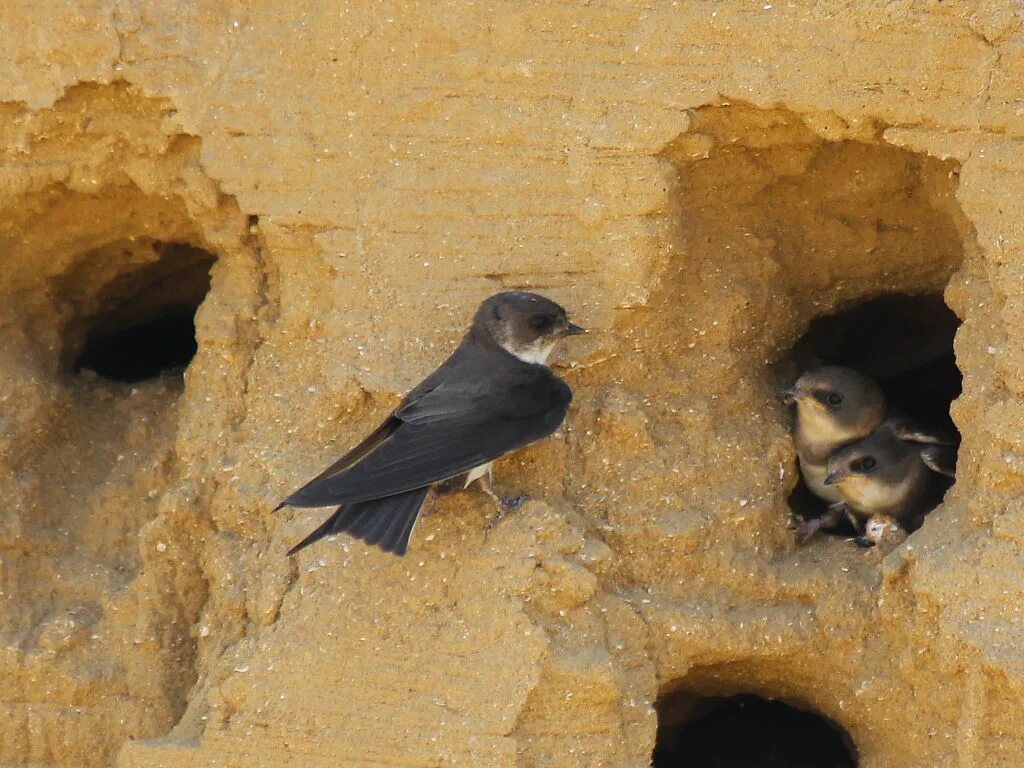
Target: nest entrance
x,y
903,342
746,731
143,326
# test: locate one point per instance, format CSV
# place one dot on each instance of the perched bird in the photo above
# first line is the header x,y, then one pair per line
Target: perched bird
x,y
492,396
888,478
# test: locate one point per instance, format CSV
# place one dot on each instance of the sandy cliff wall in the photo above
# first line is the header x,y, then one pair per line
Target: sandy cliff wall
x,y
696,182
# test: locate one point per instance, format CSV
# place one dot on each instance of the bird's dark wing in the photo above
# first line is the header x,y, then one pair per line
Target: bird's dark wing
x,y
386,523
459,424
941,459
371,441
911,431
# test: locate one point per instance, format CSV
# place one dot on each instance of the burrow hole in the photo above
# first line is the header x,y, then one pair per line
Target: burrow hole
x,y
829,232
143,324
746,731
903,342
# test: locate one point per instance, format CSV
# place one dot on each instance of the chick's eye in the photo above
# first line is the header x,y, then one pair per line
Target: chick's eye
x,y
834,398
866,464
540,322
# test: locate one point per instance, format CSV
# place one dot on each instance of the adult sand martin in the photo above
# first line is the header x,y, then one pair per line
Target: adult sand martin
x,y
493,396
884,475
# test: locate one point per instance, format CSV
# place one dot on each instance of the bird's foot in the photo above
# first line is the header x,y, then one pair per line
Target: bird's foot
x,y
506,504
804,530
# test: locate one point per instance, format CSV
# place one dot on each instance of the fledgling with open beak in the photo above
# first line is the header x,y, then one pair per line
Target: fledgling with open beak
x,y
884,475
492,396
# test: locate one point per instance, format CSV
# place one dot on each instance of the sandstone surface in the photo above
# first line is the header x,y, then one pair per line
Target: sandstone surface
x,y
696,181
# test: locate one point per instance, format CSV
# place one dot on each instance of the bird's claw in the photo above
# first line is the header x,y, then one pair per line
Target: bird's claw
x,y
505,505
803,530
515,502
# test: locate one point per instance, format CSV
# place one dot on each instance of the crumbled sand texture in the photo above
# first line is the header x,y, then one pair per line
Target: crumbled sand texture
x,y
695,182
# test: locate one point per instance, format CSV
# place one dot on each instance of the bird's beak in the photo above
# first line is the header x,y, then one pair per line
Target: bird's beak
x,y
791,395
834,477
573,330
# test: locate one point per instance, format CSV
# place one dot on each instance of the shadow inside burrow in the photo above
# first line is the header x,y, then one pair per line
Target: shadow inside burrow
x,y
145,326
746,731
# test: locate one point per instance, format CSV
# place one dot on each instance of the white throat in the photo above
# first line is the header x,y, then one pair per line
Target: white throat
x,y
536,353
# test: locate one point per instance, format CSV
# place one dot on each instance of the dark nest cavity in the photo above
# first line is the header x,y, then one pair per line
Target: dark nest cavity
x,y
746,731
145,327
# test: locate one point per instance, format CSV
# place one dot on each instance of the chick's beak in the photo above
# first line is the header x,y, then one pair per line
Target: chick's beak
x,y
573,330
834,477
791,395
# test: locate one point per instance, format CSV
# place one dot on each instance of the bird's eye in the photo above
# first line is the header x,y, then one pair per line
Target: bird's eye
x,y
834,398
540,322
866,464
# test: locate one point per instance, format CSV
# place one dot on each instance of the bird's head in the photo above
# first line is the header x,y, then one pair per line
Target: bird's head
x,y
873,472
524,324
838,399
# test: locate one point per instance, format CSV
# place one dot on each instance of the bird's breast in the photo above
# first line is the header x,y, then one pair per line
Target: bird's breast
x,y
871,497
814,475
